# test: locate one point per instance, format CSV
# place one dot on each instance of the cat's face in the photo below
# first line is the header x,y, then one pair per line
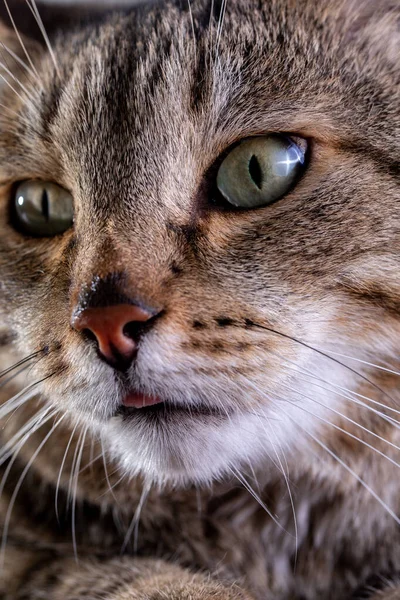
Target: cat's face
x,y
210,309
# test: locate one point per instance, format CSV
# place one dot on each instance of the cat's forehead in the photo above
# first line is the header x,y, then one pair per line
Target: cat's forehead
x,y
145,102
150,91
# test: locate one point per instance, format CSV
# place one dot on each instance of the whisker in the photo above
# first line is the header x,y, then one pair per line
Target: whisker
x,y
134,524
286,478
359,402
332,424
10,110
42,421
248,487
340,414
322,353
14,78
26,394
91,453
351,435
349,470
193,30
18,487
114,485
335,386
33,7
364,362
210,32
61,470
220,25
75,491
21,362
110,489
13,376
72,471
20,39
19,61
23,100
8,448
91,462
23,396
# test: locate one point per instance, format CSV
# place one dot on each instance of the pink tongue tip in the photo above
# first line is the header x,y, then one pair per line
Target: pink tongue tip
x,y
138,400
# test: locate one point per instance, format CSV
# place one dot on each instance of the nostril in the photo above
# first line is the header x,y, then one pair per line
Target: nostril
x,y
89,335
133,330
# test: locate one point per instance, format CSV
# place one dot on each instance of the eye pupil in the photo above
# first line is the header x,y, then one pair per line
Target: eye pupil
x,y
42,208
260,170
255,171
45,204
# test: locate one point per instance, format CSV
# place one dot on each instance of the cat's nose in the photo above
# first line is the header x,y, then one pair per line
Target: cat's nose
x,y
116,329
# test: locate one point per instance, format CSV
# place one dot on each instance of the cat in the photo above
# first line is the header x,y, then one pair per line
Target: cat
x,y
200,300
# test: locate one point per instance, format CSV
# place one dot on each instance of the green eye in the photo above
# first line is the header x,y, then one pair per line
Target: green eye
x,y
42,208
261,170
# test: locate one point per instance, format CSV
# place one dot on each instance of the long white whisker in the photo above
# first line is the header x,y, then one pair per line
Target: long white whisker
x,y
358,402
134,524
20,39
11,74
20,445
332,424
75,491
18,487
286,478
340,414
193,29
351,435
23,100
220,25
364,362
91,462
349,470
13,376
248,487
335,386
323,354
72,471
23,396
35,12
110,489
19,61
61,470
8,447
11,111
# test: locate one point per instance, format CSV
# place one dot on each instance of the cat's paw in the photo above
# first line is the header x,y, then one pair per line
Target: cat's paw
x,y
200,591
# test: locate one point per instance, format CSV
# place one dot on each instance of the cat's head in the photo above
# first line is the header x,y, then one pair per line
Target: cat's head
x,y
202,210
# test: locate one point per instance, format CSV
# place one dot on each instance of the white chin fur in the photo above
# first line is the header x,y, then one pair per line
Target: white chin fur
x,y
200,450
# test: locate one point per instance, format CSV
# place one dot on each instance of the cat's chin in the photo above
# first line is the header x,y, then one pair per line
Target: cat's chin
x,y
180,446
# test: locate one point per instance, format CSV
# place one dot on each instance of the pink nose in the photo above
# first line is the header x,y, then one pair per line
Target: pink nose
x,y
115,328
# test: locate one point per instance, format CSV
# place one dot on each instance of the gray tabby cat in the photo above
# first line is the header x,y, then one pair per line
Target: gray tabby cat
x,y
200,299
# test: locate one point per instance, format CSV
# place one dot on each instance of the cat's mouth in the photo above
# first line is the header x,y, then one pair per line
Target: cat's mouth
x,y
136,405
139,400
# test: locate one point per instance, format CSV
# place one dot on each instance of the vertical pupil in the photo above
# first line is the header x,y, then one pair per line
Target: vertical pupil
x,y
45,205
255,171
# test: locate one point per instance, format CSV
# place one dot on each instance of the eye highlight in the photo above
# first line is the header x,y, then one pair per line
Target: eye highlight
x,y
42,209
261,170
